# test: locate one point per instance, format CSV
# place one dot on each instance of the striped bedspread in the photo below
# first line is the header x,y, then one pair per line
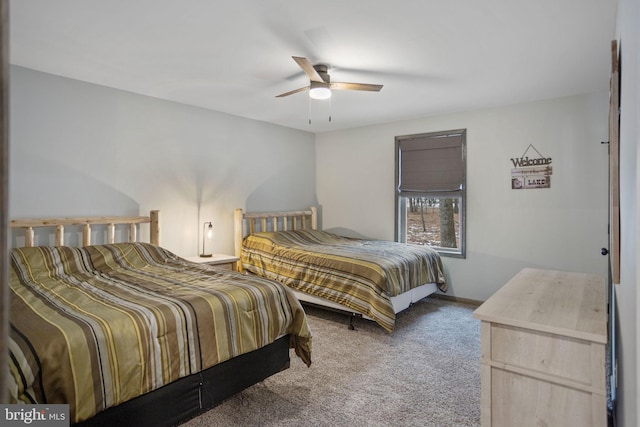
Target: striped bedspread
x,y
360,274
96,326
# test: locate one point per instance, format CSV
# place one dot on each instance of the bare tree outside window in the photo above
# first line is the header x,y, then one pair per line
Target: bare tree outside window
x,y
433,221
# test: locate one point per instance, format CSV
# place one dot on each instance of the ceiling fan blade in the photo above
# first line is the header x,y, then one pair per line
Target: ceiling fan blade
x,y
292,92
356,86
308,69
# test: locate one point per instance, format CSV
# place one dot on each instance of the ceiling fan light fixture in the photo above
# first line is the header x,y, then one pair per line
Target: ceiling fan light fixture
x,y
320,90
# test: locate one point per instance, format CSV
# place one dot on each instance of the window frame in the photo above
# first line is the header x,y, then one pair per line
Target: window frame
x,y
401,199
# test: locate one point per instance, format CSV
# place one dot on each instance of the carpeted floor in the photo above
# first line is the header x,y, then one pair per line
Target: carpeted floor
x,y
427,373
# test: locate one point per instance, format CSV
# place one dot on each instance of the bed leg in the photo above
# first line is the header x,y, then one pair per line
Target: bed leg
x,y
351,326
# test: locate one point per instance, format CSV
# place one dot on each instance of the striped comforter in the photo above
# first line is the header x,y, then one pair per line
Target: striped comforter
x,y
360,274
96,326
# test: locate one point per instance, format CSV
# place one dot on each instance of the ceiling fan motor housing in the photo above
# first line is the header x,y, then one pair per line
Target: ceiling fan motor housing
x,y
322,70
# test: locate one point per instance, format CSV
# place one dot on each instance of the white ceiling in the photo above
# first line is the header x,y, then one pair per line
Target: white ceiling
x,y
234,56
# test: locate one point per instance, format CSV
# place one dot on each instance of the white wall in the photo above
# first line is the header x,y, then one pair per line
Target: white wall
x,y
627,295
563,227
81,149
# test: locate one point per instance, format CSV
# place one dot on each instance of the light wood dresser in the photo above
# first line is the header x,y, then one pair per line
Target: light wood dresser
x,y
543,347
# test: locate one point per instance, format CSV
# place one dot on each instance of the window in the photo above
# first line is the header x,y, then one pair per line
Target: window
x,y
430,190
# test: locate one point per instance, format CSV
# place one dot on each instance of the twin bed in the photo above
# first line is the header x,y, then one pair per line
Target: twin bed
x,y
373,279
131,333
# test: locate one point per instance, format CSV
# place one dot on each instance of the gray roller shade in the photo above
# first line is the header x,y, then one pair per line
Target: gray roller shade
x,y
431,165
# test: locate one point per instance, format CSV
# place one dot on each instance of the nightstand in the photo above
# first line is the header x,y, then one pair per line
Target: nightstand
x,y
229,262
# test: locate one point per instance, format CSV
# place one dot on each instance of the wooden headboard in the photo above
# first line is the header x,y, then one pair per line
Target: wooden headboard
x,y
86,222
246,223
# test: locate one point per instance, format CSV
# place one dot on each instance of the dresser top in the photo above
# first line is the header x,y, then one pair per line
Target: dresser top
x,y
557,302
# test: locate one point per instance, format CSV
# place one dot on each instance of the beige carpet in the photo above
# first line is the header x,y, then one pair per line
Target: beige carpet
x,y
427,373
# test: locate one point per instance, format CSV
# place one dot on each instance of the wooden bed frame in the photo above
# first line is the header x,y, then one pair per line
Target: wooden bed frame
x,y
109,221
189,396
246,223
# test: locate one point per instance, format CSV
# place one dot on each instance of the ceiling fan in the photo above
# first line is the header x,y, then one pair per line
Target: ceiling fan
x,y
320,84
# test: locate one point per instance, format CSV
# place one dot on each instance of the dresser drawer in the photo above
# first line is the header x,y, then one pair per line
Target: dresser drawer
x,y
520,400
560,356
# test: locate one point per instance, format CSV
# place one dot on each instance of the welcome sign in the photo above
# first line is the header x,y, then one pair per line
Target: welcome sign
x,y
531,172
